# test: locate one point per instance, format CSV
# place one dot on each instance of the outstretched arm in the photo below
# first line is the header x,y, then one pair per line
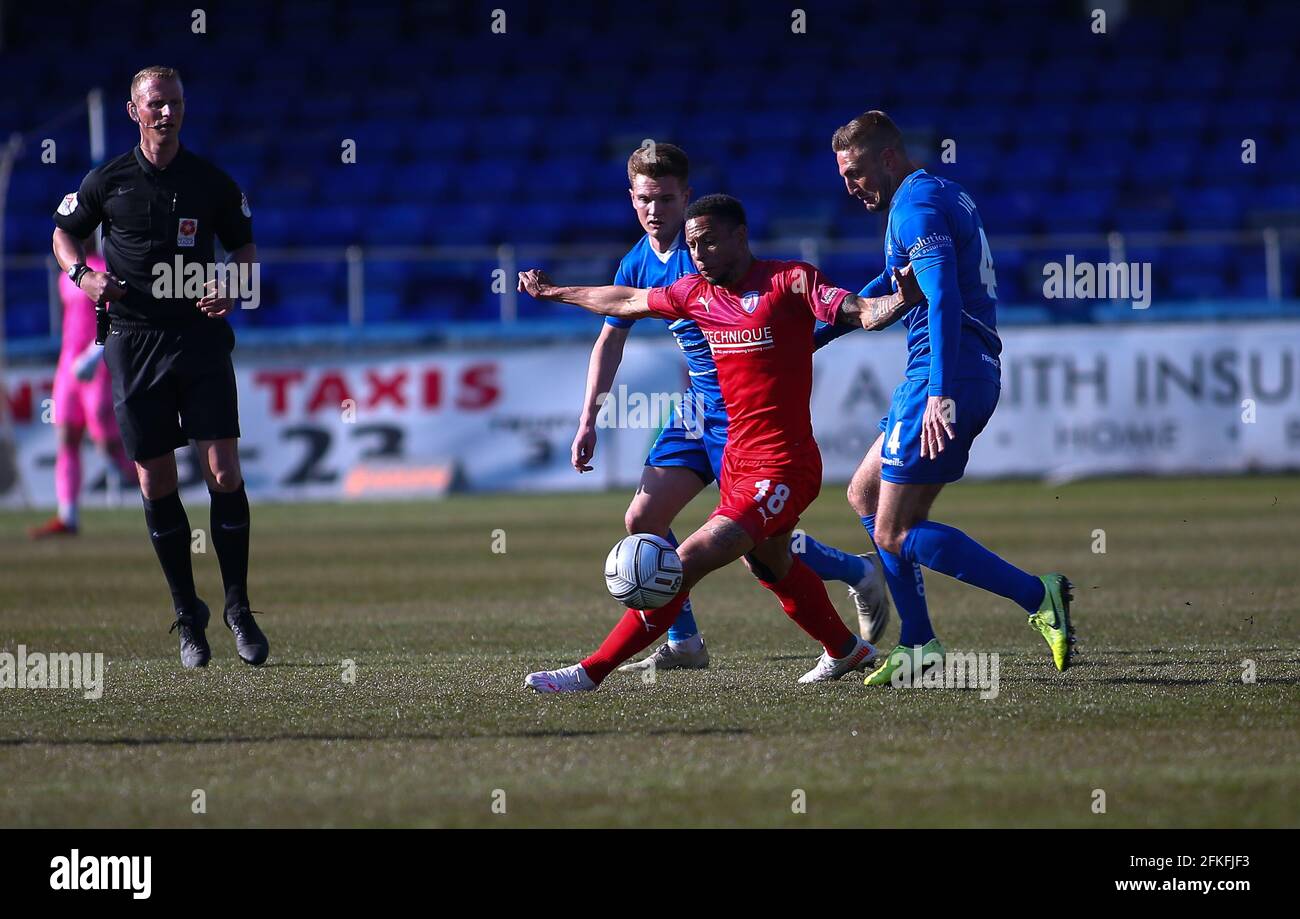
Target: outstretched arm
x,y
876,313
612,300
825,334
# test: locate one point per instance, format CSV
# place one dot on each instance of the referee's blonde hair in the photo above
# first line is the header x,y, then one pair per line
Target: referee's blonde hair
x,y
156,72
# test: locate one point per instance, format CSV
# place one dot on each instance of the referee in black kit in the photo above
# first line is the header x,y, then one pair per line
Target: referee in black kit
x,y
169,356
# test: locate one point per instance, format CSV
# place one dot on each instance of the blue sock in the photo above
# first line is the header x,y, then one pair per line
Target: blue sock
x,y
950,551
827,562
683,626
908,590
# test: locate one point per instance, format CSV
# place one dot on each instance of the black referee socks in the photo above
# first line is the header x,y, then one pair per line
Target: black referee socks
x,y
230,525
169,530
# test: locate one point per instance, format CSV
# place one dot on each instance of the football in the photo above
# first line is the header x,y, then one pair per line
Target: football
x,y
643,571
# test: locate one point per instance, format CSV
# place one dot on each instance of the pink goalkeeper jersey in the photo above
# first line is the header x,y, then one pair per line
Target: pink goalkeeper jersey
x,y
78,312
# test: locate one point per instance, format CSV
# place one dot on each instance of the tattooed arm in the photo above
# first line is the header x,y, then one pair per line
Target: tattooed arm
x,y
876,313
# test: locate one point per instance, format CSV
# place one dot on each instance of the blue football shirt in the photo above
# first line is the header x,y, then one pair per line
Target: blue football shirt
x,y
643,267
933,223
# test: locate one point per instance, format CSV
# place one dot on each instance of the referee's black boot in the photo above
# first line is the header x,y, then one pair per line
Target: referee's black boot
x,y
192,624
251,644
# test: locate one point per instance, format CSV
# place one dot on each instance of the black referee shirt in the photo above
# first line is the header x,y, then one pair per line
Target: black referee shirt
x,y
151,216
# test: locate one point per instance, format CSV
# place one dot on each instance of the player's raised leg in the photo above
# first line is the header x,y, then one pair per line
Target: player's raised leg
x,y
660,496
230,533
683,460
719,542
940,451
948,550
908,539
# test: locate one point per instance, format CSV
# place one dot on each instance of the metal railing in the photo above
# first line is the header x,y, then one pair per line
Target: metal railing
x,y
596,260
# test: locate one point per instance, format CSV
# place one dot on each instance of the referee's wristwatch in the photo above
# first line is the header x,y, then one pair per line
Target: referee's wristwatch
x,y
77,272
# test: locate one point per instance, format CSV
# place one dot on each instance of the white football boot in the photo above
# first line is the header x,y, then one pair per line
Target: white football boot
x,y
871,597
566,679
832,668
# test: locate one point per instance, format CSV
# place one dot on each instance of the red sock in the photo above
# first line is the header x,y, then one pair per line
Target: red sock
x,y
634,632
803,597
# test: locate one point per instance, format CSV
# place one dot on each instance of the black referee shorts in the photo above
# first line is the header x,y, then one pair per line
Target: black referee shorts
x,y
171,386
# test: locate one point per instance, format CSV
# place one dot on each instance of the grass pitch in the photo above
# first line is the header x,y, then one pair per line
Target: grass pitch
x,y
1198,576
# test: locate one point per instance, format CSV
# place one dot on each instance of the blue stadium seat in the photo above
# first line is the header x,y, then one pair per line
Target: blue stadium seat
x,y
1209,209
465,138
398,224
335,225
27,313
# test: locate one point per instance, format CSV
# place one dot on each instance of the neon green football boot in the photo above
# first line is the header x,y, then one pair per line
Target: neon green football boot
x,y
1052,620
915,660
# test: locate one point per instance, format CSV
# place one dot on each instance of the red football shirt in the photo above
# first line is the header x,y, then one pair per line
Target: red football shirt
x,y
760,330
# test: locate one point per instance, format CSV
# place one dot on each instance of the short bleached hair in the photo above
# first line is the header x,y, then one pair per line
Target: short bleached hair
x,y
153,73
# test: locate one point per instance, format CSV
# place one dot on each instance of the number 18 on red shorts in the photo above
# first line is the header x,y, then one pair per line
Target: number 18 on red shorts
x,y
766,496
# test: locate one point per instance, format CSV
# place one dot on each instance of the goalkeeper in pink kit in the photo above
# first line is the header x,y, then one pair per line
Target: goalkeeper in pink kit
x,y
83,403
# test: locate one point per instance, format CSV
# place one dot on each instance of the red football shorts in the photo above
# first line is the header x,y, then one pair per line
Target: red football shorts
x,y
766,496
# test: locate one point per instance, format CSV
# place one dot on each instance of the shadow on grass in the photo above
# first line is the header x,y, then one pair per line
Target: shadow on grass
x,y
351,738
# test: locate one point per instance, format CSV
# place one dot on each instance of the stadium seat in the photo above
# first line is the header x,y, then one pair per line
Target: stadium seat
x,y
478,143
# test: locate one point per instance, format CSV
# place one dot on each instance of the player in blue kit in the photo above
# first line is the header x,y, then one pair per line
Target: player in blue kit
x,y
951,388
687,455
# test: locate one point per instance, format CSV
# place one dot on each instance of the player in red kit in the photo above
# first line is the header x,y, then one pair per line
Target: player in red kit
x,y
758,317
